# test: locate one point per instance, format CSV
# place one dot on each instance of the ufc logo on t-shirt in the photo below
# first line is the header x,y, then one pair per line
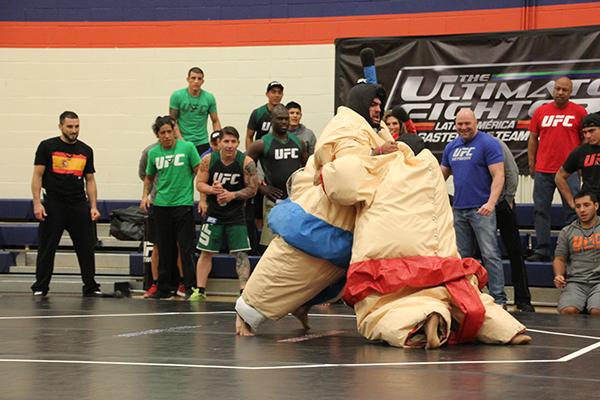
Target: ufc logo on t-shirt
x,y
591,159
284,154
463,153
166,161
555,120
266,126
225,177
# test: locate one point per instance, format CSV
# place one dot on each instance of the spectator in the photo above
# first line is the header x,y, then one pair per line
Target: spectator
x,y
190,108
475,160
506,218
394,121
554,133
64,169
259,123
280,155
227,179
576,268
215,139
584,160
305,135
175,162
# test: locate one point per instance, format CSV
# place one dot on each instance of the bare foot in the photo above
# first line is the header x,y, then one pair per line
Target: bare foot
x,y
431,331
302,314
241,327
520,339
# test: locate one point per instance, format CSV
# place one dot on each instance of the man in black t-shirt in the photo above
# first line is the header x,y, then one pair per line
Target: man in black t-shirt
x,y
280,154
64,171
227,178
584,158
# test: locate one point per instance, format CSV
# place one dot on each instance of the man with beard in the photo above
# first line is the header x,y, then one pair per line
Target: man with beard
x,y
64,168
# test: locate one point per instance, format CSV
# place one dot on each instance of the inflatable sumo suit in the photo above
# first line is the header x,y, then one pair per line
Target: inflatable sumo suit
x,y
405,264
313,249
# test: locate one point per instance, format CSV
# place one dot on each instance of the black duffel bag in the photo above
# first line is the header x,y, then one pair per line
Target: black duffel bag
x,y
127,223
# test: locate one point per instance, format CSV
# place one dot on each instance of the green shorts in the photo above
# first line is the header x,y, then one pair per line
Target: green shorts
x,y
211,237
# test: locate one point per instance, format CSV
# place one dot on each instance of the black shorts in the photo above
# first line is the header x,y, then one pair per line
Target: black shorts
x,y
151,228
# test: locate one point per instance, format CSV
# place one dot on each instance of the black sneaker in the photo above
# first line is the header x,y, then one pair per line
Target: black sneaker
x,y
95,293
537,257
40,293
525,307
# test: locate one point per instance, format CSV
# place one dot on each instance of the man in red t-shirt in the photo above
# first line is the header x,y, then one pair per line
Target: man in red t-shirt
x,y
554,133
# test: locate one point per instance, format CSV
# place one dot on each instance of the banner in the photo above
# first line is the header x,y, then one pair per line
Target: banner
x,y
503,77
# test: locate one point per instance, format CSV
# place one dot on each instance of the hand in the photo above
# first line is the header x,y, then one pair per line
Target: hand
x,y
217,187
202,208
560,281
40,212
271,192
486,210
95,214
387,148
145,204
225,197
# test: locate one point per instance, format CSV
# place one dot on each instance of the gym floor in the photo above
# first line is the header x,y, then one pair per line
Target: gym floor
x,y
69,347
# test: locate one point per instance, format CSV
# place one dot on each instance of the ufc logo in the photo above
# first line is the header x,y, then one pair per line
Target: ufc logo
x,y
591,160
266,126
555,120
224,178
284,154
464,152
165,161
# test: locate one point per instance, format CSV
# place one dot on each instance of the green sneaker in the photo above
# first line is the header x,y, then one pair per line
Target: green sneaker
x,y
197,296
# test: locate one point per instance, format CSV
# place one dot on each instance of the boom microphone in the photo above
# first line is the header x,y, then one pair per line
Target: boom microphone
x,y
367,59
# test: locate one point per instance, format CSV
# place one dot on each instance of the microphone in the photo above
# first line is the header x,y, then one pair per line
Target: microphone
x,y
367,59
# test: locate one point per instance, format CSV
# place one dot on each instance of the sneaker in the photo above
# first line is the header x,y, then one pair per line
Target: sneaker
x,y
537,257
40,293
160,295
151,290
197,296
181,290
95,293
525,307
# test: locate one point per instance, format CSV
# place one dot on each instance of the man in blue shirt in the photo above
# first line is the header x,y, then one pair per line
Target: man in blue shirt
x,y
475,160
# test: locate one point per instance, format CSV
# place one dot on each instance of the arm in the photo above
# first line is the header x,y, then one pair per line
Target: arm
x,y
532,147
92,194
304,153
446,172
497,172
563,187
174,114
249,137
559,265
216,123
250,180
36,189
145,201
202,176
142,165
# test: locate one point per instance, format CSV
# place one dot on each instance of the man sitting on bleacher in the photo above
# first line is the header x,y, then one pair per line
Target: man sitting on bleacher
x,y
576,267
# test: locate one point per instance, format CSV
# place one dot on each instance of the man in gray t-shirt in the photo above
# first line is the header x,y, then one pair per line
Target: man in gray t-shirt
x,y
577,259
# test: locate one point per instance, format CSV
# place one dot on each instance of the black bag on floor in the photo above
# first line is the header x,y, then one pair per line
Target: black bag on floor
x,y
127,223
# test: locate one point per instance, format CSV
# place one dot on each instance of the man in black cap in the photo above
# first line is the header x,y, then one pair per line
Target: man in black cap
x,y
259,123
214,141
585,158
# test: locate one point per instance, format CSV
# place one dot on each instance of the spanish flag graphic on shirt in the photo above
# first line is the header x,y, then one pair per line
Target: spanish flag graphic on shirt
x,y
68,164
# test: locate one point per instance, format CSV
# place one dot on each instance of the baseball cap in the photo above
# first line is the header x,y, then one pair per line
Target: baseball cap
x,y
591,120
215,136
273,84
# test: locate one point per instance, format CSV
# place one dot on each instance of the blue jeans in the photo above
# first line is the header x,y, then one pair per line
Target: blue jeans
x,y
474,230
543,192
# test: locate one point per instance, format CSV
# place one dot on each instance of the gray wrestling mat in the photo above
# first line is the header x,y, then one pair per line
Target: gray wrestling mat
x,y
68,347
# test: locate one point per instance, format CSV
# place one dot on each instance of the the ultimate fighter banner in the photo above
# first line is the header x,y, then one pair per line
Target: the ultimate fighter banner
x,y
503,77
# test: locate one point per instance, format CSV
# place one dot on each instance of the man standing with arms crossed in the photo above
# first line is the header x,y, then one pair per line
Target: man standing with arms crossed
x,y
62,165
227,178
475,160
190,108
554,133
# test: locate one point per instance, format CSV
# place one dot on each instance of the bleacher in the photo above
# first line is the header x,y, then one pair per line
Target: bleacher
x,y
18,242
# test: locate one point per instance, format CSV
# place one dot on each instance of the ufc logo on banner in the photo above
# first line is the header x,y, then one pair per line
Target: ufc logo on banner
x,y
555,120
224,178
284,154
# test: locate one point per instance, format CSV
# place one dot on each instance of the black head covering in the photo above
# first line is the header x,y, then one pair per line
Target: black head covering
x,y
399,113
591,120
360,98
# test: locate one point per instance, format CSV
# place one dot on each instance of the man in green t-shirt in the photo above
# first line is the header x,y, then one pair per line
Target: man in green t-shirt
x,y
190,108
176,163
